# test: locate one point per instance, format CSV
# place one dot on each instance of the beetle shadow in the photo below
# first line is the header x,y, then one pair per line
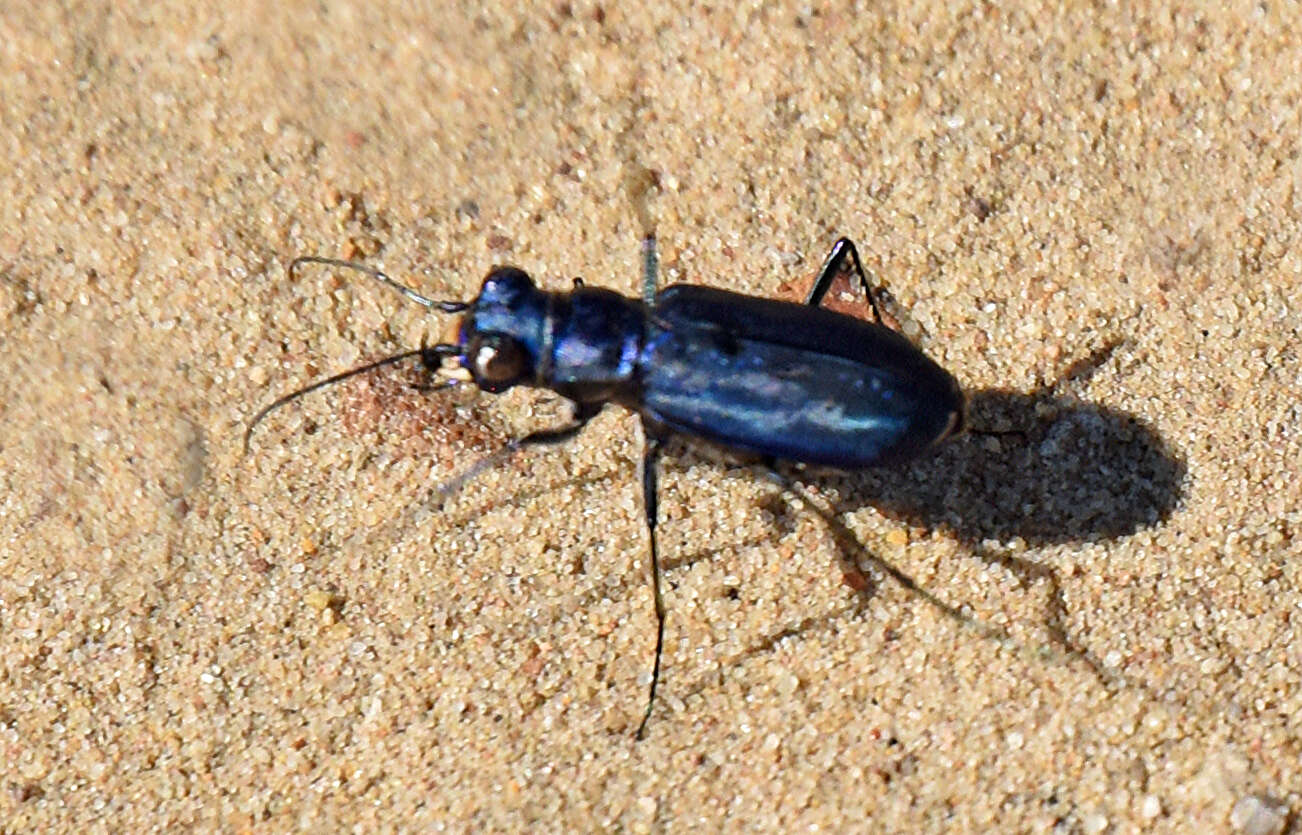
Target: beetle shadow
x,y
1071,472
1056,470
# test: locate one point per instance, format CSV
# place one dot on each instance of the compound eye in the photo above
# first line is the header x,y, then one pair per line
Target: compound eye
x,y
497,361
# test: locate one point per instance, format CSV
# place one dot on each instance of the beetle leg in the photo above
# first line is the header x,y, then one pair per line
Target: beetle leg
x,y
650,458
650,269
583,412
842,249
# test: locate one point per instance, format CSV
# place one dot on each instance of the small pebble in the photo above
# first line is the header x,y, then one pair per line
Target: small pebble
x,y
1259,815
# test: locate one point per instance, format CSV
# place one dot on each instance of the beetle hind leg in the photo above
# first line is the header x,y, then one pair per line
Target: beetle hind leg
x,y
841,250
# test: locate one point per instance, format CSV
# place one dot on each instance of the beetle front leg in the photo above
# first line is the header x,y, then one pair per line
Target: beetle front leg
x,y
583,413
842,249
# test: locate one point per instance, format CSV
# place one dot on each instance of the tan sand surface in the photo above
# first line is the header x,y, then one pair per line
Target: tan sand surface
x,y
1090,213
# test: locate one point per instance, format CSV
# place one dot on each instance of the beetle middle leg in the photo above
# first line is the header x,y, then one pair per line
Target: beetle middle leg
x,y
652,440
841,250
650,504
650,268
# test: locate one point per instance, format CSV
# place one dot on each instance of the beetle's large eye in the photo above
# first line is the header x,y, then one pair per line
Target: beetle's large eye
x,y
498,362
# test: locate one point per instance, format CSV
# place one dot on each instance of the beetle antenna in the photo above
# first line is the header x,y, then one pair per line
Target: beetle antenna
x,y
445,306
431,357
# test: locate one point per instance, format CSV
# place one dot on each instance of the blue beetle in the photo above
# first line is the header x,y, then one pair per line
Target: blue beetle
x,y
782,380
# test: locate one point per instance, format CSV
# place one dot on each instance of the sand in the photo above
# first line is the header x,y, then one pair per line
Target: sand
x,y
1090,215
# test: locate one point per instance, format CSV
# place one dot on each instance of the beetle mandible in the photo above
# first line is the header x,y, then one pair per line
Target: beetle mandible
x,y
782,380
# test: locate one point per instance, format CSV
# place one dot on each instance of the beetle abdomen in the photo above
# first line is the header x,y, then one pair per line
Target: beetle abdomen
x,y
791,381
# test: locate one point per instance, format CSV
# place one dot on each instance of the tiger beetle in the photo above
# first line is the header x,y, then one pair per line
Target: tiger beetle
x,y
780,380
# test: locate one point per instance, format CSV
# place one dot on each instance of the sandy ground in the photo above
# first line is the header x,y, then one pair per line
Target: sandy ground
x,y
1089,214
